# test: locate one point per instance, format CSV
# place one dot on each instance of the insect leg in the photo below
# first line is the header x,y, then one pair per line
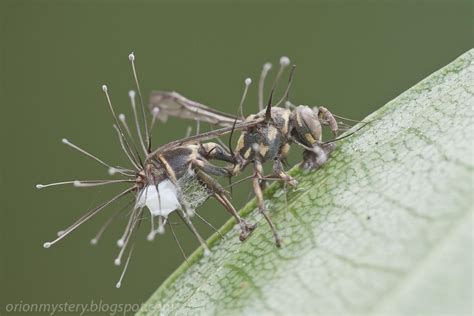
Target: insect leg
x,y
219,195
185,212
279,171
259,196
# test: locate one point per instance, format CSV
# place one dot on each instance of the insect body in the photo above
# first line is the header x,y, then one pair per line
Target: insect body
x,y
268,136
175,177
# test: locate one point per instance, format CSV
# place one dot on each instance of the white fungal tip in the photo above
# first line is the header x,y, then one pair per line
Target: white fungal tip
x,y
207,252
121,117
76,183
94,241
248,81
131,56
284,61
112,171
161,230
117,261
39,186
156,111
255,147
120,243
267,66
104,88
190,213
47,244
59,233
118,285
64,141
287,103
151,236
131,93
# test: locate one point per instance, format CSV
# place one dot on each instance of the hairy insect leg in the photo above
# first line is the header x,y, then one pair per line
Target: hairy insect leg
x,y
317,156
219,195
260,202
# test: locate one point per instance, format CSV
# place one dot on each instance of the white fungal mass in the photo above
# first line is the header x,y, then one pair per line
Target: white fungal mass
x,y
165,200
160,202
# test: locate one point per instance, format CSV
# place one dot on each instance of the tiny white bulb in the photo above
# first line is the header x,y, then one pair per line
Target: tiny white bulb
x,y
104,88
94,241
118,285
131,93
207,252
156,111
122,117
76,183
151,236
131,56
117,261
64,141
255,147
112,171
39,186
284,61
190,213
248,81
120,243
267,66
47,244
161,230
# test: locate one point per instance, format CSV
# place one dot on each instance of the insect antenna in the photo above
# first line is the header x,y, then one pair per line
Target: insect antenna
x,y
175,237
261,83
112,170
119,283
286,95
345,136
247,82
346,119
131,58
86,217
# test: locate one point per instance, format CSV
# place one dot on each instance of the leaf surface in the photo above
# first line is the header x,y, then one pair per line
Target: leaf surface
x,y
385,227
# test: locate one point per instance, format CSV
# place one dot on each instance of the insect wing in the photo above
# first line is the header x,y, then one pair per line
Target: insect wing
x,y
176,105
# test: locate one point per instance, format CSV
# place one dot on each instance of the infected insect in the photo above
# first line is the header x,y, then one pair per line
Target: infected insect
x,y
268,135
175,177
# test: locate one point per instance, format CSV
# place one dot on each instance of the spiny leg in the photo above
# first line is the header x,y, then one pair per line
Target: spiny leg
x,y
280,172
185,218
219,195
175,237
259,196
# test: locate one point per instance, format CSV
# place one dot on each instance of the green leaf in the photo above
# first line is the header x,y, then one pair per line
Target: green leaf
x,y
385,227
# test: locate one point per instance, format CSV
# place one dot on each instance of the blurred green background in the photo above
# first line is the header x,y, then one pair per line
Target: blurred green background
x,y
352,56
